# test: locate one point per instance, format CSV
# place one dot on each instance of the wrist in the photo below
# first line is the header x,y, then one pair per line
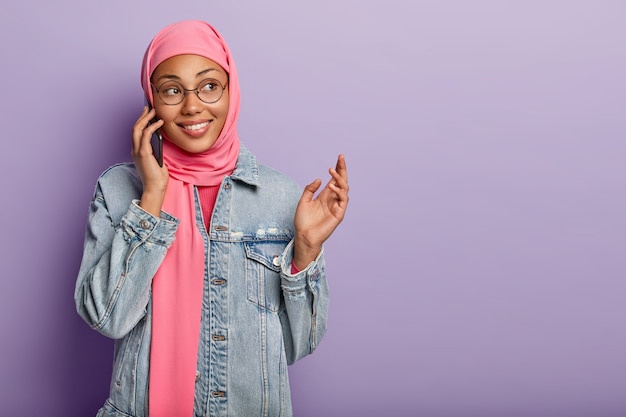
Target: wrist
x,y
304,253
152,202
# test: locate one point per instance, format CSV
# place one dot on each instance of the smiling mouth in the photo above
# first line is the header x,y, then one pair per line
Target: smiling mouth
x,y
197,126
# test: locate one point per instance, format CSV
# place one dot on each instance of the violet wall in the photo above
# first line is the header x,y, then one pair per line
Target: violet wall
x,y
480,271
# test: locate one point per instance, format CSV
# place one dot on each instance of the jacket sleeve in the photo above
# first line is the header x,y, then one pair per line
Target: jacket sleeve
x,y
305,315
121,255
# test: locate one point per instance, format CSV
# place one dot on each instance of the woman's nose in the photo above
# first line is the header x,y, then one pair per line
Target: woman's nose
x,y
191,103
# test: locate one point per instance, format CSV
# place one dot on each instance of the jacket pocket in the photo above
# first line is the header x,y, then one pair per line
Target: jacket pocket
x,y
263,274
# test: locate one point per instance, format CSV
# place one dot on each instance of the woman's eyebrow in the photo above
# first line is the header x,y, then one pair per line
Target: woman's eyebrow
x,y
177,78
205,71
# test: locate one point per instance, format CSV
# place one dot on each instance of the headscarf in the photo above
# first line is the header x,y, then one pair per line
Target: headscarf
x,y
177,287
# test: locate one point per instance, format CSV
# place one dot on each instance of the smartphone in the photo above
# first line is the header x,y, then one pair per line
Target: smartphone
x,y
156,141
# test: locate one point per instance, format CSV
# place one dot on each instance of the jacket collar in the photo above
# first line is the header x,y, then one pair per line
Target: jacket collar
x,y
247,168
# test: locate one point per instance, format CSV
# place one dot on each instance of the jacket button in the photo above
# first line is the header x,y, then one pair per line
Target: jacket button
x,y
145,224
276,260
197,376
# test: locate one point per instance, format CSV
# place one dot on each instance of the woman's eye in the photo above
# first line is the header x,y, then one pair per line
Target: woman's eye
x,y
210,86
172,91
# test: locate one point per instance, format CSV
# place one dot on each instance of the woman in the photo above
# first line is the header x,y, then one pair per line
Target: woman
x,y
207,271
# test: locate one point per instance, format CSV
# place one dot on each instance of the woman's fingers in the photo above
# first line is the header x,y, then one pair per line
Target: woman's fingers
x,y
142,132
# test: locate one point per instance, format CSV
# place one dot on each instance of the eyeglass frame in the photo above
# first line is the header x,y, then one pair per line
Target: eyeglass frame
x,y
195,90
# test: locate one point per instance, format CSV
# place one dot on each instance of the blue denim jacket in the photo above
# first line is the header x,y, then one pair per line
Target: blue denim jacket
x,y
257,317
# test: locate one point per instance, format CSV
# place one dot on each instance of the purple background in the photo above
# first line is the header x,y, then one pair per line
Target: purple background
x,y
480,269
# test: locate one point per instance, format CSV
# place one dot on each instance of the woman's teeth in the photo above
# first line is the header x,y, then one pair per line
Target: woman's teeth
x,y
196,127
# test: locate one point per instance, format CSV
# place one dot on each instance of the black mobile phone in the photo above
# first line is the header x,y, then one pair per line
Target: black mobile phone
x,y
156,141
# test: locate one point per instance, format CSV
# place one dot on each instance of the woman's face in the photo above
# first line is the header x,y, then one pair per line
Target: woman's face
x,y
192,125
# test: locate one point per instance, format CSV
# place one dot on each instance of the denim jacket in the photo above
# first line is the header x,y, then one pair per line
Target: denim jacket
x,y
257,317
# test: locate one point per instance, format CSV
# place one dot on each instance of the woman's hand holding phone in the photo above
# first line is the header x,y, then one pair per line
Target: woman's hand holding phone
x,y
153,176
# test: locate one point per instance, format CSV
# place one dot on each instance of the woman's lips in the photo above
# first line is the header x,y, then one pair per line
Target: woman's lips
x,y
195,129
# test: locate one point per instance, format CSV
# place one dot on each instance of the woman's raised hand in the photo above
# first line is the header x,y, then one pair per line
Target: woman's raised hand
x,y
153,177
317,217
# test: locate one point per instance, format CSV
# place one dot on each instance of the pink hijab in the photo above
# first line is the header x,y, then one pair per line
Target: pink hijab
x,y
177,286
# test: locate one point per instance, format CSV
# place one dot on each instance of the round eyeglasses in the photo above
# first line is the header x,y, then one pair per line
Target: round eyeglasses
x,y
172,92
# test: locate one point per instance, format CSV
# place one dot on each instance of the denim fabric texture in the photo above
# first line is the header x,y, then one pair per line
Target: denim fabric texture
x,y
257,317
